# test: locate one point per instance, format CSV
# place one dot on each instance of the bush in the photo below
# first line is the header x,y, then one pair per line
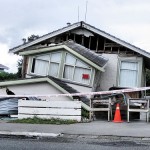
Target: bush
x,y
85,113
7,76
36,120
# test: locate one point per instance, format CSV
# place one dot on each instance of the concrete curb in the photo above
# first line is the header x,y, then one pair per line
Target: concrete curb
x,y
38,135
115,137
28,134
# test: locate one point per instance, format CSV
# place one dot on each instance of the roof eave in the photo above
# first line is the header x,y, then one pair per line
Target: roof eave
x,y
119,41
86,26
45,37
32,80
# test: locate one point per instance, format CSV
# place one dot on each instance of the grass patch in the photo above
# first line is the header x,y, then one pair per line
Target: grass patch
x,y
36,120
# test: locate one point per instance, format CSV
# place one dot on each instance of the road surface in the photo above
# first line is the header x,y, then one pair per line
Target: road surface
x,y
72,144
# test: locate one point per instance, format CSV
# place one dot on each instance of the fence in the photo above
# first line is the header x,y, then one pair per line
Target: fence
x,y
60,109
50,109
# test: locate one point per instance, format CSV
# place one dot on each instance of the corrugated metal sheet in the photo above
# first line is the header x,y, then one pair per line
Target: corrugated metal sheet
x,y
9,105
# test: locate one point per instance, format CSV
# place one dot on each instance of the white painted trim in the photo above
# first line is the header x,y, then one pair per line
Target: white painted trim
x,y
47,49
138,60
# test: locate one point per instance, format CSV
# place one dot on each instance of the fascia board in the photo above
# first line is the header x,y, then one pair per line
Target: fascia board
x,y
58,87
123,43
45,37
62,47
40,50
18,82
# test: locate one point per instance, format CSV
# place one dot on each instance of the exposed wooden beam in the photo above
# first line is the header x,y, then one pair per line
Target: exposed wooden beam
x,y
83,40
89,42
97,44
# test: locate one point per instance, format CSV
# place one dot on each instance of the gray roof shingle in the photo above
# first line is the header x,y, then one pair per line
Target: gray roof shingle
x,y
69,89
87,53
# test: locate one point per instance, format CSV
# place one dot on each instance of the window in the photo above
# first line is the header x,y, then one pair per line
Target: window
x,y
128,74
54,64
46,64
76,70
67,67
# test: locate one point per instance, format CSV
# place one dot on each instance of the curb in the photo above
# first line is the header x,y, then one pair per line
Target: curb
x,y
115,137
28,134
37,135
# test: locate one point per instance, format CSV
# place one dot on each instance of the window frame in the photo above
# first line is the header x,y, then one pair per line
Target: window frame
x,y
75,66
61,68
139,62
49,63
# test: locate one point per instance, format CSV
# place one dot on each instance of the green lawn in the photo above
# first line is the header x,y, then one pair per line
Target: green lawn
x,y
36,120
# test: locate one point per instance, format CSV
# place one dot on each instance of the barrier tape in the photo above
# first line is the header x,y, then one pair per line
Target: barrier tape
x,y
83,94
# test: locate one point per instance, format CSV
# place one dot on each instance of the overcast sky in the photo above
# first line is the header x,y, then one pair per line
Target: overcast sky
x,y
125,19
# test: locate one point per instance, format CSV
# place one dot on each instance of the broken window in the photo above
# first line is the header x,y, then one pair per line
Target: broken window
x,y
46,64
64,66
76,70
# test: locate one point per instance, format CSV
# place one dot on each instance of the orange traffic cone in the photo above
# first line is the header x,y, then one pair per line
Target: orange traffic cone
x,y
117,117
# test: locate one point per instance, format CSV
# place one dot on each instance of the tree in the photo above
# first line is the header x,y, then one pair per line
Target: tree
x,y
19,66
147,80
30,38
4,76
147,77
33,37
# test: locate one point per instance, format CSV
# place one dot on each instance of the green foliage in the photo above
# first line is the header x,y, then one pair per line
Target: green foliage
x,y
147,77
19,66
84,113
7,76
36,120
33,37
147,81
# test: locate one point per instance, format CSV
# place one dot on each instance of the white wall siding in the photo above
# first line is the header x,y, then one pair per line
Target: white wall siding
x,y
109,77
35,89
50,109
81,88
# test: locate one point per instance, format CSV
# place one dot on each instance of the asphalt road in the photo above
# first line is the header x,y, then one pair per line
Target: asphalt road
x,y
71,144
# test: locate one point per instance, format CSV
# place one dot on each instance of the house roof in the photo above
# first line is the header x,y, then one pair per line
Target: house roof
x,y
94,59
84,26
69,89
3,67
87,53
57,83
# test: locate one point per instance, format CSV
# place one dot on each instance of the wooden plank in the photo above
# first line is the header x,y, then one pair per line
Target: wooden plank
x,y
89,42
97,44
49,111
138,101
56,104
138,110
78,118
99,109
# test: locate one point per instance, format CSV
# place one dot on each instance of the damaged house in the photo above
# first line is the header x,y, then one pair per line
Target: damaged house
x,y
79,58
3,68
52,54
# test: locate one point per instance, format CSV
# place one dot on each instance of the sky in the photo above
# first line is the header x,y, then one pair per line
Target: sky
x,y
128,20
